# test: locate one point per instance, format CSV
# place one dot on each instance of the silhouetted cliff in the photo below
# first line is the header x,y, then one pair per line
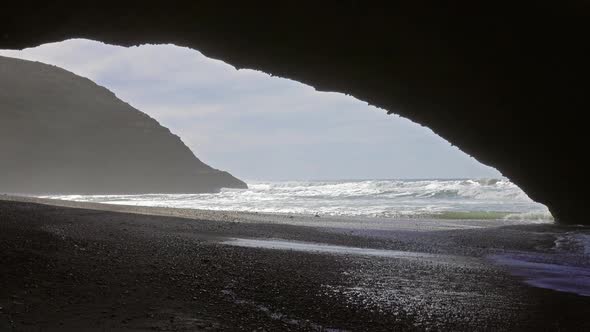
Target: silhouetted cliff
x,y
61,133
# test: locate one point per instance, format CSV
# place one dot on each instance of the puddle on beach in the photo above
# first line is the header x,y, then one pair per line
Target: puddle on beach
x,y
565,269
324,248
559,277
560,270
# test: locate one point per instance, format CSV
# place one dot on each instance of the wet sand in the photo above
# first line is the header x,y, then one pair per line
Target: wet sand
x,y
83,266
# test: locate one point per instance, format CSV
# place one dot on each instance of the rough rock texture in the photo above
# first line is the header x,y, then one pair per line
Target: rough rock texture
x,y
61,133
504,81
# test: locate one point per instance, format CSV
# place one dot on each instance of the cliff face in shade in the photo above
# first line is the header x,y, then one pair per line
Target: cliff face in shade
x,y
62,133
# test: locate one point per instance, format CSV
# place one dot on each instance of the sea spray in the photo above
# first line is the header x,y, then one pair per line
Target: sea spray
x,y
425,199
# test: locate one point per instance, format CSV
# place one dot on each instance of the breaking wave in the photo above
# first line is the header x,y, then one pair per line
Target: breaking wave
x,y
440,199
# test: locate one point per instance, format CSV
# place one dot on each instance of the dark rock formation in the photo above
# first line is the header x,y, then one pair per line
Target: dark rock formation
x,y
504,81
61,133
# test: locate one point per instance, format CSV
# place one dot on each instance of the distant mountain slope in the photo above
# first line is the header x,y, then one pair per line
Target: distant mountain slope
x,y
62,133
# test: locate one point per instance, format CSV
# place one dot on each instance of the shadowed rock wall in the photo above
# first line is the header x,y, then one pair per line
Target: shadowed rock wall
x,y
504,81
61,133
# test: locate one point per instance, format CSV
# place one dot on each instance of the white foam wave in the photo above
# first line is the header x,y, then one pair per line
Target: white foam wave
x,y
371,198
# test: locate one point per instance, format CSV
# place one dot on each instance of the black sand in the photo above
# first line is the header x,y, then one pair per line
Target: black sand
x,y
67,268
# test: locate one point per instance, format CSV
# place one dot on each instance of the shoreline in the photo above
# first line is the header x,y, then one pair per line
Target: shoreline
x,y
283,218
71,266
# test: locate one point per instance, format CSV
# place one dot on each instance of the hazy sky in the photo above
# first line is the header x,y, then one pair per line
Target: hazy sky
x,y
256,126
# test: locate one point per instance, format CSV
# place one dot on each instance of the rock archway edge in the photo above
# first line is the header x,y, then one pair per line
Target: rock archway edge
x,y
504,82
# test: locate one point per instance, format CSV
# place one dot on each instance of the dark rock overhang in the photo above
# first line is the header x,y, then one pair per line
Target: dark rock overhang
x,y
505,82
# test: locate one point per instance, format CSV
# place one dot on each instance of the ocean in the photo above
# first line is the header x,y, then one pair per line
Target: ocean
x,y
433,199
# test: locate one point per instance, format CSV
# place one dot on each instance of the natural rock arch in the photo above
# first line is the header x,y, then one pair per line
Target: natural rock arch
x,y
503,82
